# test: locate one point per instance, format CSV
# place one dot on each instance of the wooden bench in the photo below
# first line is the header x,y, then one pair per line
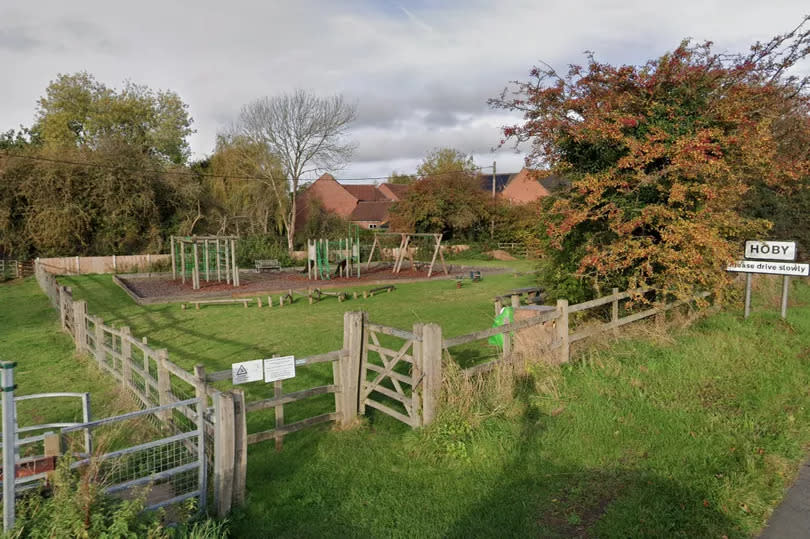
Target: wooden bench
x,y
243,301
270,265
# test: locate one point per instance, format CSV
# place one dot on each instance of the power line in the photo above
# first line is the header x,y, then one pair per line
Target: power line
x,y
200,174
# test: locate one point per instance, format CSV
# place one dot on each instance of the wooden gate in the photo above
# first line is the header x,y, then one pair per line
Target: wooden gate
x,y
391,372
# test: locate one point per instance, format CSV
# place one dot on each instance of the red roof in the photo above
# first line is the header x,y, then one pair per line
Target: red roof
x,y
365,193
371,211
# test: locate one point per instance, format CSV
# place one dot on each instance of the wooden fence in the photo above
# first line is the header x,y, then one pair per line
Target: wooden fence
x,y
82,265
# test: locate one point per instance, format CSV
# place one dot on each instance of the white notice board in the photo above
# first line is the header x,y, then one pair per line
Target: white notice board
x,y
774,268
279,368
247,371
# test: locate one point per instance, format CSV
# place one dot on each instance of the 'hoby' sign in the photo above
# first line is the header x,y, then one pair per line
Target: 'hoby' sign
x,y
770,250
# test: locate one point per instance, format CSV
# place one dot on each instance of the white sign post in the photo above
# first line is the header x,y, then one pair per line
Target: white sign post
x,y
770,250
770,257
279,368
247,371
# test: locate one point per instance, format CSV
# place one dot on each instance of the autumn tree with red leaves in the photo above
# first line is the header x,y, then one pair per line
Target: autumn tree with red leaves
x,y
662,157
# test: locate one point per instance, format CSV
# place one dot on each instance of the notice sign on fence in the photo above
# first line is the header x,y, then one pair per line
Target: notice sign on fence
x,y
279,368
774,268
247,371
770,250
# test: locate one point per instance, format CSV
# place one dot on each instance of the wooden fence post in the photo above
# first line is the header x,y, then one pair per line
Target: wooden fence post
x,y
562,330
164,384
80,323
126,356
614,311
224,450
240,447
60,303
432,371
417,371
100,353
348,370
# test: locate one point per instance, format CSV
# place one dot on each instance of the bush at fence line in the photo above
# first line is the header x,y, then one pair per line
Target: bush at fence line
x,y
75,506
475,251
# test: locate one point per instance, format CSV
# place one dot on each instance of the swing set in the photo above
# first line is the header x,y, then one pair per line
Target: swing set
x,y
408,244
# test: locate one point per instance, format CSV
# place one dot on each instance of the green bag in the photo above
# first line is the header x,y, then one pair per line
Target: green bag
x,y
506,316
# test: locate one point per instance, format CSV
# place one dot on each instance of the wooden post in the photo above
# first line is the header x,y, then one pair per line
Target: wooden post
x,y
235,267
182,246
126,356
207,264
164,384
269,301
498,306
614,311
279,414
174,264
195,273
785,291
348,370
562,330
515,301
80,325
99,351
240,447
219,267
227,263
441,255
53,445
432,371
224,452
416,376
60,295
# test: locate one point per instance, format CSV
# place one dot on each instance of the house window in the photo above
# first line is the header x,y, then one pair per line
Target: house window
x,y
372,226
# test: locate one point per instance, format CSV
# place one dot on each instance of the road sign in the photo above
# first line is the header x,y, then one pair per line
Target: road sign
x,y
770,250
247,371
773,268
279,368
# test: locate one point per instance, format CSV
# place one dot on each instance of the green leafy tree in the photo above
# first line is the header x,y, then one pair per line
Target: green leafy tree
x,y
77,110
446,198
401,179
662,157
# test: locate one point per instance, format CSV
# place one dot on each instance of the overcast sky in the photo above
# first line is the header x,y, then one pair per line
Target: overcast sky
x,y
419,71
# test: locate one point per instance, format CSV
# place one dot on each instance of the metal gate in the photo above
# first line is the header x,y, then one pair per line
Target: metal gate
x,y
391,372
133,453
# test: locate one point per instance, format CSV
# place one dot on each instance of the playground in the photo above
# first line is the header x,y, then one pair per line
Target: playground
x,y
205,267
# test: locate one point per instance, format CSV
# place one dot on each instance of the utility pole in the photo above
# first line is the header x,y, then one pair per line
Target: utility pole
x,y
492,221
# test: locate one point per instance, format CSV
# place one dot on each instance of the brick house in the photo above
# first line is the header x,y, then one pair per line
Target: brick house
x,y
364,205
522,187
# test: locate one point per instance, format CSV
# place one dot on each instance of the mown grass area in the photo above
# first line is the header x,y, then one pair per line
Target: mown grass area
x,y
694,433
30,334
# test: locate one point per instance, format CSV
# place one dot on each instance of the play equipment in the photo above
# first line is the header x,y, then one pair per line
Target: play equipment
x,y
409,244
215,255
343,253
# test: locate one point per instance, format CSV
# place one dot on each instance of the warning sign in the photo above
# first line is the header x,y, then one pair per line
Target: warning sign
x,y
279,368
247,371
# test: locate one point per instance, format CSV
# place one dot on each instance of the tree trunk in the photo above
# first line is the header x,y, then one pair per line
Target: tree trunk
x,y
291,226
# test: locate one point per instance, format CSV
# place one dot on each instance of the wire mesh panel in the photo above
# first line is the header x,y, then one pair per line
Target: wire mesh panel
x,y
135,457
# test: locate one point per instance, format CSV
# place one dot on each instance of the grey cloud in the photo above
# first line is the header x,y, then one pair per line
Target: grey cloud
x,y
18,39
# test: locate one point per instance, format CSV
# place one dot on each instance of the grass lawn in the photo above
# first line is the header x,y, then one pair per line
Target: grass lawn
x,y
31,336
696,435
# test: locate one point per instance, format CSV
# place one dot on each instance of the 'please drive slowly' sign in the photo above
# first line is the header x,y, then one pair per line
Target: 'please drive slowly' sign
x,y
774,268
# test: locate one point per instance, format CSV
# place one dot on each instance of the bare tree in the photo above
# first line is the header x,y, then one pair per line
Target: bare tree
x,y
306,132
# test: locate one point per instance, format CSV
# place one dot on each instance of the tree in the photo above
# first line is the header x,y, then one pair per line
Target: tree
x,y
306,132
446,161
401,179
661,157
446,198
247,183
77,110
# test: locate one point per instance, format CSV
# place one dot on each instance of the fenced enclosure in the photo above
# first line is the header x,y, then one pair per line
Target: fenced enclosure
x,y
135,454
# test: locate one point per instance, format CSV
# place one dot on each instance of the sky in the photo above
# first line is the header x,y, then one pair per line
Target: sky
x,y
420,72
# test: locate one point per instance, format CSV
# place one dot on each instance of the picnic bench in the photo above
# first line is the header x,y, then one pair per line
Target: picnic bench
x,y
534,294
269,265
